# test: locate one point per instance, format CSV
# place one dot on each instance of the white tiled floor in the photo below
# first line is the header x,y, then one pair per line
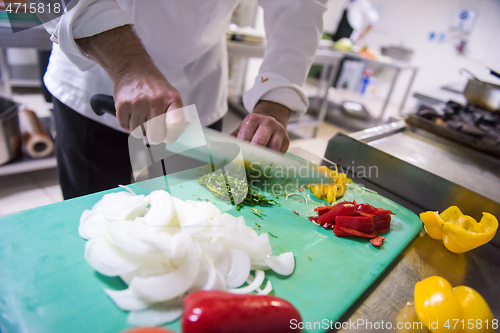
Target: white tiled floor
x,y
28,190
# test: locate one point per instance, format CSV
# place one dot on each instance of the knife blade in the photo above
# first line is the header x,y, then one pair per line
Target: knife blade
x,y
220,149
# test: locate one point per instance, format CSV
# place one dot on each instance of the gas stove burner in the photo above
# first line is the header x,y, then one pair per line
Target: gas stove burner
x,y
466,124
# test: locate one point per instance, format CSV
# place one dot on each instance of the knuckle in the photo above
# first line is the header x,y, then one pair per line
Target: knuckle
x,y
259,141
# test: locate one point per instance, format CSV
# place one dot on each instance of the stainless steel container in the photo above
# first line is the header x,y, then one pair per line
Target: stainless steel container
x,y
10,135
482,94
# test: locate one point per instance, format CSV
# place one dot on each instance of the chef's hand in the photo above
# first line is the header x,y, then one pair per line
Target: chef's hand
x,y
141,92
266,126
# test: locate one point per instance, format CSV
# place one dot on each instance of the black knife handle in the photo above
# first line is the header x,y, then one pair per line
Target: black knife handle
x,y
101,103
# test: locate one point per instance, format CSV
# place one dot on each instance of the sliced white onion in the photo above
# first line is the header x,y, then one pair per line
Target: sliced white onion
x,y
240,268
256,283
122,206
92,224
173,248
282,264
155,315
168,286
162,211
127,188
126,299
266,290
127,236
192,212
107,260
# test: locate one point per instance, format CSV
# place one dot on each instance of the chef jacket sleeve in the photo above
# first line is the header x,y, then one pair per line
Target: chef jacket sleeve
x,y
293,29
369,12
86,18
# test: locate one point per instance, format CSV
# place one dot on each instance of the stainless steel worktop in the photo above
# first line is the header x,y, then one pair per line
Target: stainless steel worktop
x,y
414,164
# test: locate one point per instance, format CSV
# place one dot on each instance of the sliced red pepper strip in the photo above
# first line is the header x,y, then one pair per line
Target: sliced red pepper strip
x,y
377,241
322,209
313,218
353,232
365,208
341,209
362,224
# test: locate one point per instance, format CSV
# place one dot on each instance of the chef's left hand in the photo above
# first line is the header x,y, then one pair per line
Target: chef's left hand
x,y
266,126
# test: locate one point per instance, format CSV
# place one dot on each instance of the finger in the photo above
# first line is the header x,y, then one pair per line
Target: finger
x,y
175,121
123,111
276,141
236,131
155,125
138,114
263,134
248,127
155,129
285,144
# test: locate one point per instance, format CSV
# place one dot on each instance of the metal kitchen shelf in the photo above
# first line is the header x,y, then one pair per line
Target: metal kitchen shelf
x,y
27,164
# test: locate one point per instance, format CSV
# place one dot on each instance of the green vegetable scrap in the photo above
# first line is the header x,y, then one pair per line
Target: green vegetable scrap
x,y
270,234
257,212
230,189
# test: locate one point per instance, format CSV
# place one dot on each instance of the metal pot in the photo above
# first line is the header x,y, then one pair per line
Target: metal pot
x,y
10,135
482,94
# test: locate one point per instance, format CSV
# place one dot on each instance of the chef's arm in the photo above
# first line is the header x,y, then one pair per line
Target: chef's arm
x,y
293,30
365,31
99,31
140,90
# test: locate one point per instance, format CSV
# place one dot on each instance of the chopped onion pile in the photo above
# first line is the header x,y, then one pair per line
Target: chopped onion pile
x,y
163,248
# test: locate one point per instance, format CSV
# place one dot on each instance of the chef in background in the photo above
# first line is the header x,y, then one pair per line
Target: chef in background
x,y
156,56
357,20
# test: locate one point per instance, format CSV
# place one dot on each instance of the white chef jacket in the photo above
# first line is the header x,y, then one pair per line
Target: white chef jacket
x,y
186,40
359,13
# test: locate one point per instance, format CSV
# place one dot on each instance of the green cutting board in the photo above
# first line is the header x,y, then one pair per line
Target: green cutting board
x,y
46,286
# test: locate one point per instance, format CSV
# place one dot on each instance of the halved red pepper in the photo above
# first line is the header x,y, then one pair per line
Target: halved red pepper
x,y
219,312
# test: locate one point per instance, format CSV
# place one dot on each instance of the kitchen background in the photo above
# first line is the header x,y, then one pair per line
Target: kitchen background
x,y
437,41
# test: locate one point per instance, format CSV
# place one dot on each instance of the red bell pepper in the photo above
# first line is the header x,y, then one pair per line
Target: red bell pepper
x,y
353,219
220,312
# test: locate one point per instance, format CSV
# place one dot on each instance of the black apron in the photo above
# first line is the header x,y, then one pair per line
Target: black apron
x,y
344,29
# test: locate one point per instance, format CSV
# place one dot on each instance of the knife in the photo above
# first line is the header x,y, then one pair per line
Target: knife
x,y
221,150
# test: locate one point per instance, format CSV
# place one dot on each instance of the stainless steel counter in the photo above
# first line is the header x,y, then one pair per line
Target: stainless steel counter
x,y
412,165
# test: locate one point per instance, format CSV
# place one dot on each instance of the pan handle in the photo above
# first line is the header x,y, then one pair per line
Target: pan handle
x,y
101,103
494,73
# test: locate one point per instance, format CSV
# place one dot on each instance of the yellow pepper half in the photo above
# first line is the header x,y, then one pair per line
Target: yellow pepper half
x,y
460,233
330,192
442,308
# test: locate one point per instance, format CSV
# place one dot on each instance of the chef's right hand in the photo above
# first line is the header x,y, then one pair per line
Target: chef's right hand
x,y
142,94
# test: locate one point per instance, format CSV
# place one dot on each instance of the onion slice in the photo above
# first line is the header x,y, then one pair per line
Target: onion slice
x,y
107,260
156,314
256,283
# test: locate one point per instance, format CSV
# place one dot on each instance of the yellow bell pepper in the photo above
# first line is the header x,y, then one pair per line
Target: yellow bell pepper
x,y
330,192
460,233
442,308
